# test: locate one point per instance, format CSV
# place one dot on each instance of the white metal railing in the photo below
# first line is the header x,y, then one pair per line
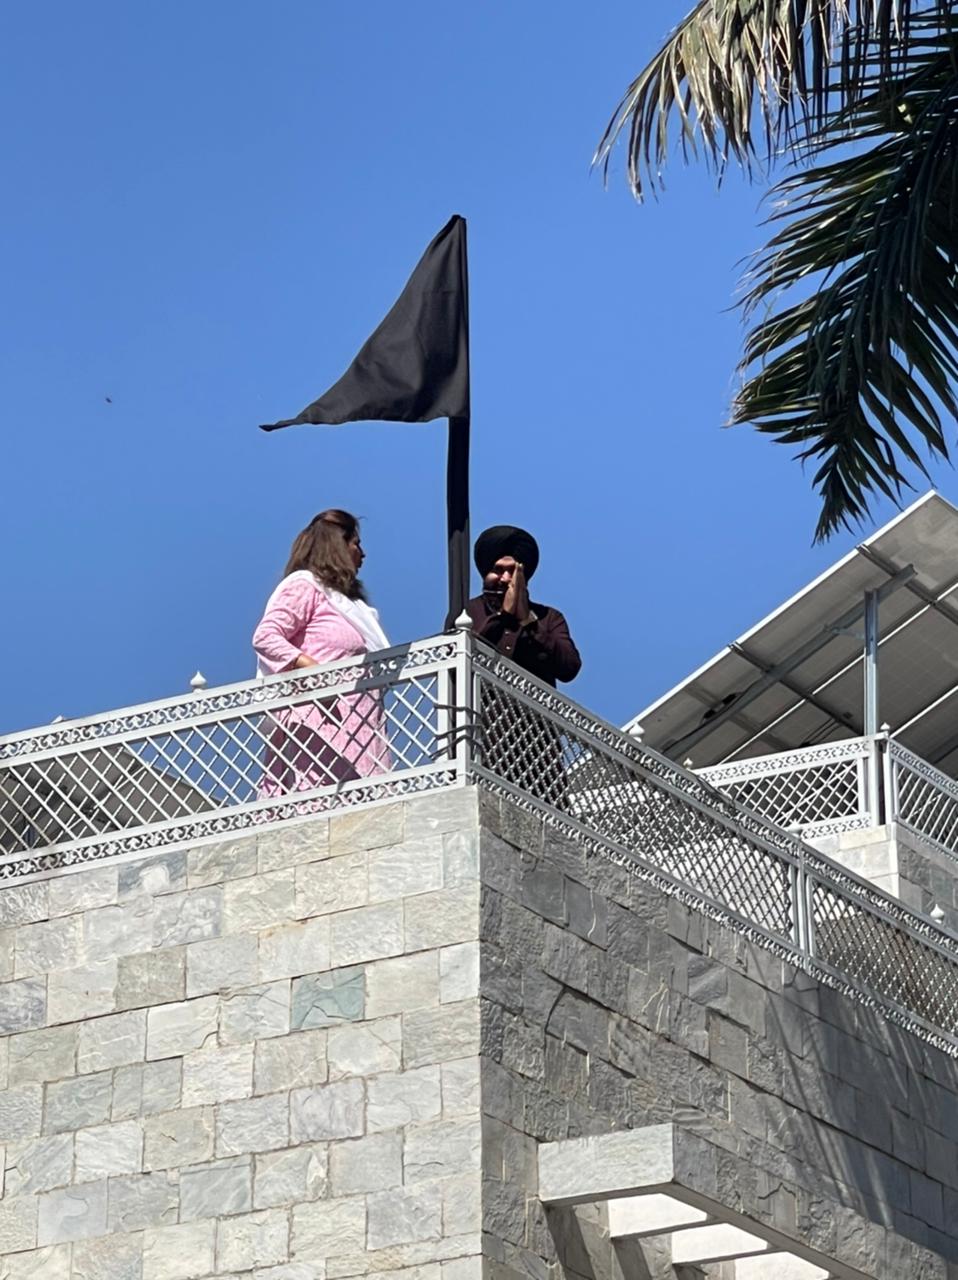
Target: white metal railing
x,y
442,713
813,791
207,764
845,786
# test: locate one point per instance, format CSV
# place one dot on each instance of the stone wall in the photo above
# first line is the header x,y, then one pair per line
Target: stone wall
x,y
607,1005
332,1049
255,1059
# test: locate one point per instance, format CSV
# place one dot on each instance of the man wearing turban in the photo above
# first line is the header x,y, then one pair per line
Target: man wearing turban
x,y
534,636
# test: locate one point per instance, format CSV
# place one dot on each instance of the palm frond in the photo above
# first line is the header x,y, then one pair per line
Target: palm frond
x,y
740,78
860,372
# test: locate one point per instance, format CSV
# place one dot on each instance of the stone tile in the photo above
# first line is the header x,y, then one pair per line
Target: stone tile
x,y
323,999
146,1089
79,1103
83,891
8,939
51,1263
178,1138
221,963
460,1087
174,1029
291,1271
114,1041
86,992
328,1229
435,814
366,1164
255,1124
255,1013
229,860
43,1055
160,873
53,944
438,1035
75,1213
109,1258
462,1204
191,916
460,858
144,1200
402,1098
466,1268
289,1062
443,918
328,1111
441,1150
290,1177
364,1049
405,982
155,977
217,1075
260,1239
181,1252
399,871
40,1164
258,902
366,829
292,846
289,951
336,884
109,1150
24,903
217,1189
404,1215
23,1004
368,933
459,972
18,1223
109,932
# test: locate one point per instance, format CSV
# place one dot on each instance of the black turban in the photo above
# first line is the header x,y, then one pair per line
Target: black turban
x,y
506,540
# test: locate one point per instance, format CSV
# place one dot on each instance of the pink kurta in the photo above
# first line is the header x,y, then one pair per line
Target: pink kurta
x,y
319,741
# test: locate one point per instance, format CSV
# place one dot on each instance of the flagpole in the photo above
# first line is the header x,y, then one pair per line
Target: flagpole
x,y
457,475
457,517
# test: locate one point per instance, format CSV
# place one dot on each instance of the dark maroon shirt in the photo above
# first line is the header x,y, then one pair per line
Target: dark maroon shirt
x,y
543,647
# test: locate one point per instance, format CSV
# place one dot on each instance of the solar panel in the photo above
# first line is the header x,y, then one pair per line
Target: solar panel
x,y
796,677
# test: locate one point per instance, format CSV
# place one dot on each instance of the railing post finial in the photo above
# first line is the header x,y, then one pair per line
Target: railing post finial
x,y
198,683
464,622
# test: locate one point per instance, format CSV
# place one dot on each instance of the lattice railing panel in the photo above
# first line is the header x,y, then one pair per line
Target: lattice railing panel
x,y
879,954
798,789
925,799
795,800
324,728
545,756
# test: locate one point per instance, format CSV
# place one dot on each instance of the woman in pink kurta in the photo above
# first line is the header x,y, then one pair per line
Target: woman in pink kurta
x,y
318,613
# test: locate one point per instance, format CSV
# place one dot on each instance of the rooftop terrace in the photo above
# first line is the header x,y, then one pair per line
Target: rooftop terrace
x,y
190,770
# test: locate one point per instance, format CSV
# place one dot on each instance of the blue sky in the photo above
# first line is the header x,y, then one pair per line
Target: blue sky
x,y
209,206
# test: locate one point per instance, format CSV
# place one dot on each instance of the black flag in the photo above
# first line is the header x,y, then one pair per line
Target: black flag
x,y
415,366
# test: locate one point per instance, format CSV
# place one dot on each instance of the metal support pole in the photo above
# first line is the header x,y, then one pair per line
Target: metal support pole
x,y
870,717
870,711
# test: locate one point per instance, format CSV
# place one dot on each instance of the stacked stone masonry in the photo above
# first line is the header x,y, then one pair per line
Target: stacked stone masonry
x,y
255,1059
331,1049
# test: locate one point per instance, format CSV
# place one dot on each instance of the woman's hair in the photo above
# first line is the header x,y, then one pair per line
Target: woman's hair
x,y
323,548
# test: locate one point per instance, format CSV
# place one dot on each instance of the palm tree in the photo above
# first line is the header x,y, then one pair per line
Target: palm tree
x,y
852,354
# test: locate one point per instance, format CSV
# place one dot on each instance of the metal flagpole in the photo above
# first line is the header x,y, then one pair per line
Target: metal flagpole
x,y
457,476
